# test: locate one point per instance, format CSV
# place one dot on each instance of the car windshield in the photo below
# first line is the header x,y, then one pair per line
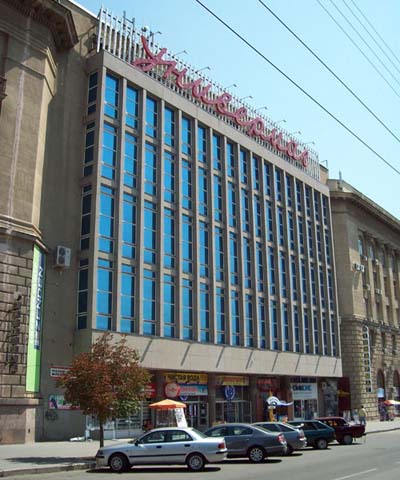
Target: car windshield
x,y
197,432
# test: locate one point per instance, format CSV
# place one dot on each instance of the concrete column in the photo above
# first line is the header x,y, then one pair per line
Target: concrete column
x,y
211,398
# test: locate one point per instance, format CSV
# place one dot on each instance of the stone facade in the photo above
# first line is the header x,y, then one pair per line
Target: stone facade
x,y
367,255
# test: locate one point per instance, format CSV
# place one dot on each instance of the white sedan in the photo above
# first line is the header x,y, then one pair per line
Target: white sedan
x,y
164,446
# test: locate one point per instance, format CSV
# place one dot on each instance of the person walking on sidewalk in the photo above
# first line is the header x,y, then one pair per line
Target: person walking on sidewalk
x,y
362,415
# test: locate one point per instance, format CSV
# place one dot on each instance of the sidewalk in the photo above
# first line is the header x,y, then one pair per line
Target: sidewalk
x,y
47,457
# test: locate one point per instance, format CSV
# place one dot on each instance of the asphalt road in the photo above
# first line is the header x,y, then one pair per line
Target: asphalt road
x,y
376,459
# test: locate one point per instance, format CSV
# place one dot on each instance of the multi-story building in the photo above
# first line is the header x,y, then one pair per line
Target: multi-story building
x,y
139,198
367,247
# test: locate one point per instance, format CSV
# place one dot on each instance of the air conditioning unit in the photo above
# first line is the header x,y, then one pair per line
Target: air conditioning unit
x,y
359,268
63,257
367,286
376,261
378,291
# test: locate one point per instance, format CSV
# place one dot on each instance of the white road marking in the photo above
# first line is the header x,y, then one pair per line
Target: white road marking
x,y
356,474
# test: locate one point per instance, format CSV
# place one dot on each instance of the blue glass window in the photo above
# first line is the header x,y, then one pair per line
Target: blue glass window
x,y
151,117
83,287
128,225
230,160
269,221
217,198
169,177
149,233
202,191
282,261
132,107
245,211
219,254
289,191
220,314
249,321
333,334
274,325
256,173
217,153
257,216
319,242
243,167
186,185
130,161
267,178
150,169
304,280
111,97
233,256
169,238
300,228
187,309
271,270
328,248
127,299
278,185
232,206
235,318
186,136
285,327
291,230
169,127
187,244
313,285
104,294
201,145
89,149
106,219
296,324
316,206
109,157
246,262
92,93
204,313
262,329
149,302
322,286
308,201
306,331
260,266
315,332
299,188
85,217
330,290
325,210
324,333
281,228
203,249
169,306
310,238
293,277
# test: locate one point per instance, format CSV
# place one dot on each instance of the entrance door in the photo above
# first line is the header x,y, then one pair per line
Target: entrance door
x,y
305,409
236,411
197,415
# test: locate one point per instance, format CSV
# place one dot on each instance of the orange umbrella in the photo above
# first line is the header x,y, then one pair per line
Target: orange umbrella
x,y
167,405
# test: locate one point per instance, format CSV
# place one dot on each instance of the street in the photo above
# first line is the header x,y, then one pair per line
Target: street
x,y
376,459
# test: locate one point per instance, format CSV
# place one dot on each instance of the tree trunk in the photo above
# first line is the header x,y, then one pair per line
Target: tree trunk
x,y
101,433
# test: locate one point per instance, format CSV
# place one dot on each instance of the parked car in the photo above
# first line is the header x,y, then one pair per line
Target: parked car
x,y
344,432
295,437
245,440
164,446
318,434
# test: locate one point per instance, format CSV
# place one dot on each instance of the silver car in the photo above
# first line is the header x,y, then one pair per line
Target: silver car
x,y
245,440
295,437
164,446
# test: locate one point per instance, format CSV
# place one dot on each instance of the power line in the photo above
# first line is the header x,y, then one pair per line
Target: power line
x,y
371,36
297,86
359,49
377,33
331,71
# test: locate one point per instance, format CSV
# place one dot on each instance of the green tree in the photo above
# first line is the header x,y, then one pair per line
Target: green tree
x,y
106,382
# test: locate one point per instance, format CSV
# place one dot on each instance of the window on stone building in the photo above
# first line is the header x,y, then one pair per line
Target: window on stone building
x,y
383,342
394,345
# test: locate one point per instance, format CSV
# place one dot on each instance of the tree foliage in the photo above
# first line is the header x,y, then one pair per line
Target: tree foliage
x,y
106,382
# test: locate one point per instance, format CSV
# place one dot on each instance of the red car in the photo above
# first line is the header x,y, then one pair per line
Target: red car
x,y
344,432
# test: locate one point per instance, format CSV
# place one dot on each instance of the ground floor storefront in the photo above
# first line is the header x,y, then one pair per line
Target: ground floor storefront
x,y
212,398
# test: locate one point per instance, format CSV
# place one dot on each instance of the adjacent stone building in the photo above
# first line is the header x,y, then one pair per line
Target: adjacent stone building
x,y
367,257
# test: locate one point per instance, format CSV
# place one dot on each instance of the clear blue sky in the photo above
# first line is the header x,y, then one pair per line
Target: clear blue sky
x,y
185,25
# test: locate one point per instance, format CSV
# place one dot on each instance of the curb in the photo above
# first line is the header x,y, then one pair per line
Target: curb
x,y
383,431
50,469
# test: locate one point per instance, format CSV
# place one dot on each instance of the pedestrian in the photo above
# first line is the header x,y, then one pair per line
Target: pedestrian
x,y
362,415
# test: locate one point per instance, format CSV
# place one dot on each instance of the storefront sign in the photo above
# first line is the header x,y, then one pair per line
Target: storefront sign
x,y
267,384
236,380
150,390
57,402
194,378
57,372
229,392
172,390
304,391
180,418
255,126
193,390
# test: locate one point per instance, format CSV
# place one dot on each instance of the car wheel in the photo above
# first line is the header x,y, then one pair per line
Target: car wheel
x,y
195,462
118,463
347,439
289,450
256,454
321,444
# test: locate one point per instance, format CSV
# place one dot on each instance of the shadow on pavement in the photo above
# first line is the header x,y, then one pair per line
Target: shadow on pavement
x,y
50,460
152,470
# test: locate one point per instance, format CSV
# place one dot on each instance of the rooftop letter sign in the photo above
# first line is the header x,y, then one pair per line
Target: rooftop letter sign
x,y
222,103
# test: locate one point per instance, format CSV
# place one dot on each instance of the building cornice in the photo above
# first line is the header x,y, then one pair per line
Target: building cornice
x,y
54,16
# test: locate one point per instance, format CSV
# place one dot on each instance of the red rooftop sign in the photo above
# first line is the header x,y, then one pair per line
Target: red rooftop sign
x,y
255,126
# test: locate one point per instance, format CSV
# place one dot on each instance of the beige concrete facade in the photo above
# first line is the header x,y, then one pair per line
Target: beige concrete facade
x,y
367,246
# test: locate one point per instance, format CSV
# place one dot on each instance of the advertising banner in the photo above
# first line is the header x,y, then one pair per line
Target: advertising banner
x,y
194,378
35,322
236,380
57,402
304,391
